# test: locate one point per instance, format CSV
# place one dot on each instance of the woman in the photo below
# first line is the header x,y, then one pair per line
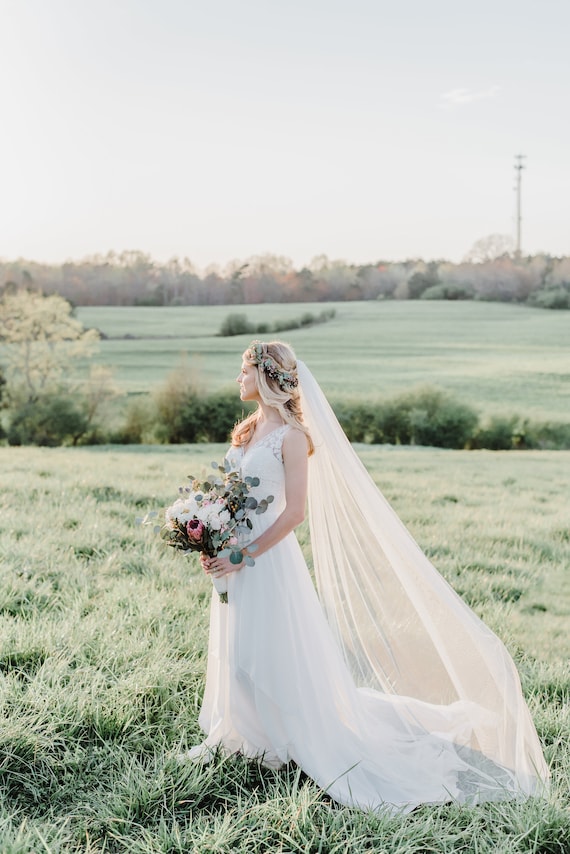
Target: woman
x,y
386,689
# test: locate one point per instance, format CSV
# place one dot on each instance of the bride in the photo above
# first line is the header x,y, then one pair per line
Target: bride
x,y
385,688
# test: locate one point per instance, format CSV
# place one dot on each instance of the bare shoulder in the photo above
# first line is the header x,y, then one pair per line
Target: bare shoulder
x,y
295,443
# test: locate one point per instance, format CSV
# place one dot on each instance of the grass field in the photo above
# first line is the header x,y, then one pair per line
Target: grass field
x,y
499,358
102,657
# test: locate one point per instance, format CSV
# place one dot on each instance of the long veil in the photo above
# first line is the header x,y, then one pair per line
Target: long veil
x,y
401,627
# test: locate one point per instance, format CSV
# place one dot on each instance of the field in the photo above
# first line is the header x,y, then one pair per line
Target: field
x,y
102,656
499,358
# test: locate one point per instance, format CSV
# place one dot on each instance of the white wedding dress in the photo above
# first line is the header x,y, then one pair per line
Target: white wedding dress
x,y
279,688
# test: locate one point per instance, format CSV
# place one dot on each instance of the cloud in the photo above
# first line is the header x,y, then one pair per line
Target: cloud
x,y
459,97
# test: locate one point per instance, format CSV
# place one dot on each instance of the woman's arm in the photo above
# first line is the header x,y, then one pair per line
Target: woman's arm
x,y
296,468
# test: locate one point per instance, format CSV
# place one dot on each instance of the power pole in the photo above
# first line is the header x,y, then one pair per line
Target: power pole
x,y
518,169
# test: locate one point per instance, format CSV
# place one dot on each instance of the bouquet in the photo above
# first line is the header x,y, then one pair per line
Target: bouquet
x,y
212,516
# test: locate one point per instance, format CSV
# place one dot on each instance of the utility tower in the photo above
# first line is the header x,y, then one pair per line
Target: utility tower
x,y
519,166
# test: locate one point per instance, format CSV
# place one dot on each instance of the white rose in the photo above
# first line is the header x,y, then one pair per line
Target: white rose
x,y
183,509
224,516
202,513
214,521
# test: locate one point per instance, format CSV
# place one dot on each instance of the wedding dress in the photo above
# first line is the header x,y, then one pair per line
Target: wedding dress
x,y
361,687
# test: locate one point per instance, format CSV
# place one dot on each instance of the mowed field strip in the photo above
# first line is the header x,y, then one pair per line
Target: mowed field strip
x,y
499,358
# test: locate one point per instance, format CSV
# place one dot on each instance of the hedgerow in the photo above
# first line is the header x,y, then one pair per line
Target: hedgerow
x,y
180,412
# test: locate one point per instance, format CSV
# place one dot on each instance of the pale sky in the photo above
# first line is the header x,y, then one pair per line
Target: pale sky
x,y
221,129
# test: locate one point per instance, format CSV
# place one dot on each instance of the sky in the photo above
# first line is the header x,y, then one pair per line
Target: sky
x,y
216,130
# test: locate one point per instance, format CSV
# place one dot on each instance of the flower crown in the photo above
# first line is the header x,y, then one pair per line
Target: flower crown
x,y
287,379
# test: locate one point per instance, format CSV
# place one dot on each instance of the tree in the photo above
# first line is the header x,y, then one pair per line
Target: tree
x,y
423,277
39,341
490,248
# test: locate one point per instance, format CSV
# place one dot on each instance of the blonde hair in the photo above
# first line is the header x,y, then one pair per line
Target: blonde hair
x,y
277,384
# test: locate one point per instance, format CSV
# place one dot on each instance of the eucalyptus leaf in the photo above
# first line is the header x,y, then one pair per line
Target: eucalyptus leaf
x,y
236,557
249,561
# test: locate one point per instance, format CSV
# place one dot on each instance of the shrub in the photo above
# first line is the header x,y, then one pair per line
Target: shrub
x,y
427,416
553,297
358,420
222,411
546,436
284,325
421,280
499,433
307,319
139,423
236,324
3,384
201,418
52,420
449,291
180,385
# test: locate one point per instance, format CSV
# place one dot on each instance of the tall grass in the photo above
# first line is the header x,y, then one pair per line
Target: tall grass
x,y
102,657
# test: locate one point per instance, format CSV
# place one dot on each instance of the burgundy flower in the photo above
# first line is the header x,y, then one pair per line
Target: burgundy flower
x,y
195,529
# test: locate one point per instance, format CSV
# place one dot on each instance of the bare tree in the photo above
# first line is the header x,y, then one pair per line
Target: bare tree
x,y
489,248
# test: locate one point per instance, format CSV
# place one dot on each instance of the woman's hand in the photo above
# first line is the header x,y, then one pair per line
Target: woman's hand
x,y
217,567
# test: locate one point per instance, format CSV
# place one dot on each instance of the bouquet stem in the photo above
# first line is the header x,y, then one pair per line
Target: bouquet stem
x,y
221,585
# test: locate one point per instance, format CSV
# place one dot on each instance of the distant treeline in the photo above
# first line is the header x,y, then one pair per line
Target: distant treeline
x,y
134,278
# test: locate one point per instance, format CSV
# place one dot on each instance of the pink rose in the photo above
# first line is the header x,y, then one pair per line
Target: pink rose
x,y
194,529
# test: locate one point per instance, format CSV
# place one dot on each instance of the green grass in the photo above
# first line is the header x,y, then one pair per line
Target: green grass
x,y
500,358
102,657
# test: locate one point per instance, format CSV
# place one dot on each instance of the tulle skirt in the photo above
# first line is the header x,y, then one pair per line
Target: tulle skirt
x,y
278,690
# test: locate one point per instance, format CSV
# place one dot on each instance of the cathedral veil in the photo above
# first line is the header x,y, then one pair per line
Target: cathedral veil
x,y
401,627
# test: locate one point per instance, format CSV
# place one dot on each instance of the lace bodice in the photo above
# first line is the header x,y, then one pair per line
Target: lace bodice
x,y
264,459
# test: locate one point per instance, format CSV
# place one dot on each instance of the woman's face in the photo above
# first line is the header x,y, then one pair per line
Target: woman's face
x,y
247,380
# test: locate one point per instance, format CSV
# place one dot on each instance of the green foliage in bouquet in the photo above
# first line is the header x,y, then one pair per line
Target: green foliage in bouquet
x,y
212,515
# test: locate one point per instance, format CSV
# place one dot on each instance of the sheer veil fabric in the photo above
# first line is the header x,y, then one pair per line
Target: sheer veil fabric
x,y
402,629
